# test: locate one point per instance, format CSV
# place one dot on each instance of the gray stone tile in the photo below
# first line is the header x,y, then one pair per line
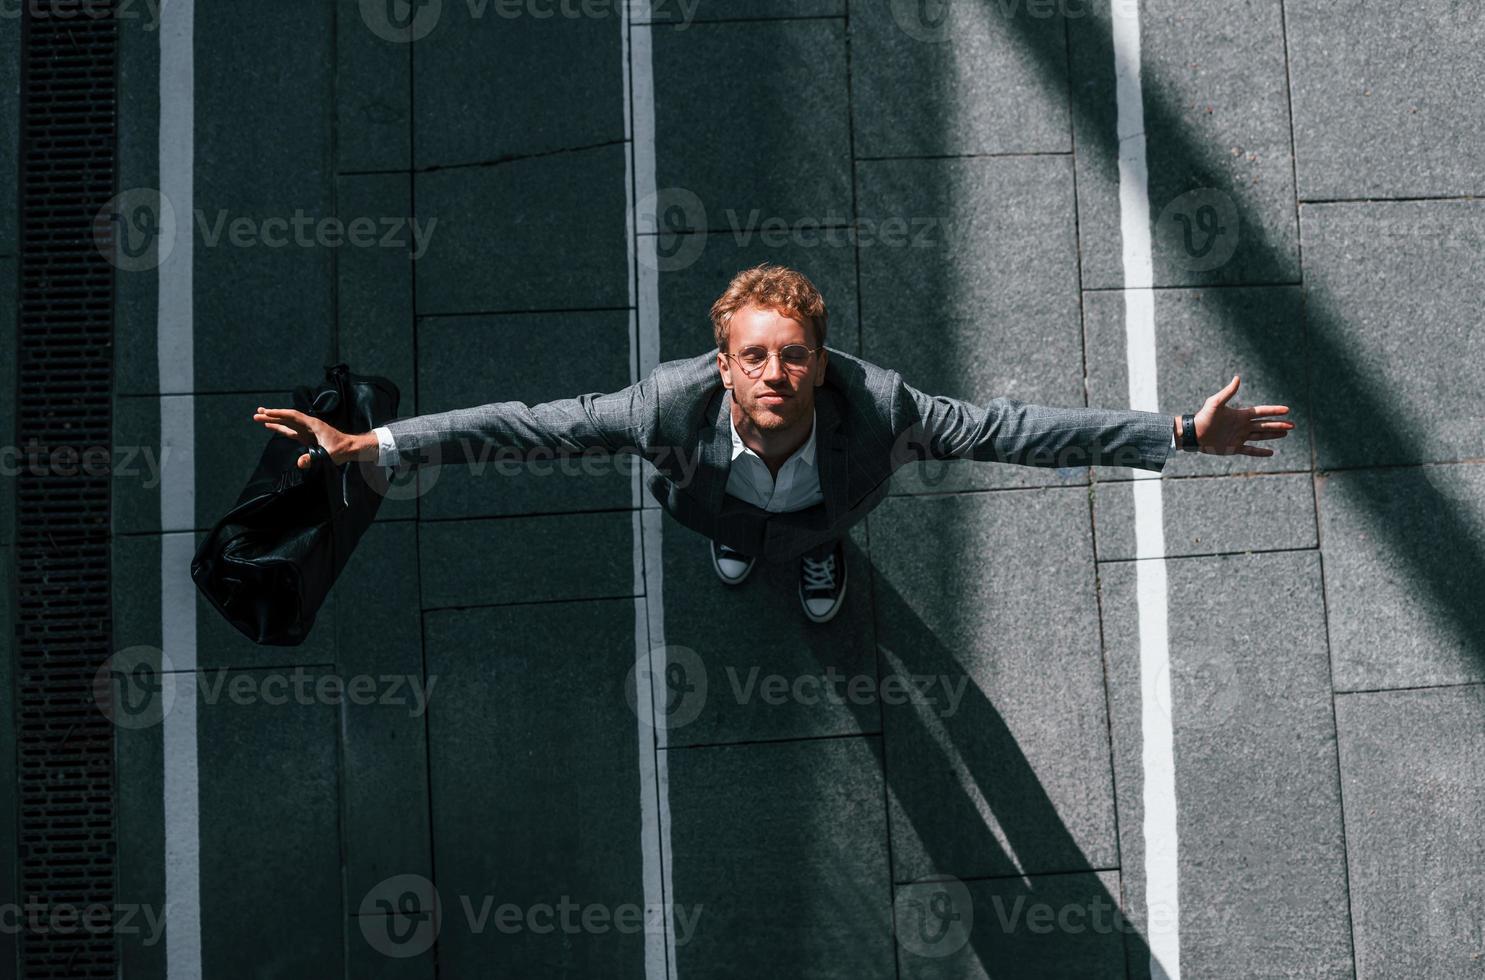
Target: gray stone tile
x,y
379,647
772,673
1261,852
1221,178
10,127
1212,516
775,138
526,559
998,762
1413,778
495,63
536,234
957,78
696,277
373,90
1037,926
779,860
970,289
530,358
1390,294
1202,338
1403,563
269,814
530,728
264,298
9,404
1384,97
682,13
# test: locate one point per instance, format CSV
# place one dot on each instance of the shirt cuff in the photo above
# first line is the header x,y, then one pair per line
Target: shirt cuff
x,y
386,447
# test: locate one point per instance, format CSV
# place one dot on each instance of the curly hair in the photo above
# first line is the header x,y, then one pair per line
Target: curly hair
x,y
770,287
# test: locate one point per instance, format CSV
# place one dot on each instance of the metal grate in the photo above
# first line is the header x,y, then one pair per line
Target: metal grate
x,y
64,371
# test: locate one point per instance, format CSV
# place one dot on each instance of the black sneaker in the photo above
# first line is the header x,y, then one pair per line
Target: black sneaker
x,y
822,584
732,566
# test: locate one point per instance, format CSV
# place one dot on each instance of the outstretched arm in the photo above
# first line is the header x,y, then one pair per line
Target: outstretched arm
x,y
619,421
1010,431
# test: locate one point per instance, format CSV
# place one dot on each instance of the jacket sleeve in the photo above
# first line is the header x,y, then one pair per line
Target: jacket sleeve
x,y
1004,430
622,421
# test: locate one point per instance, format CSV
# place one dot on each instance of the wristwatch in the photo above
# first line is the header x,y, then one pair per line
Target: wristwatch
x,y
1188,432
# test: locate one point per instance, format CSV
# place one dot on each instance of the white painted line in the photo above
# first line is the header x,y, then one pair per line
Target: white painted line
x,y
649,607
1157,735
176,361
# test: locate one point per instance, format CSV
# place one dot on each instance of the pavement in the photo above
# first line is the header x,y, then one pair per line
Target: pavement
x,y
948,779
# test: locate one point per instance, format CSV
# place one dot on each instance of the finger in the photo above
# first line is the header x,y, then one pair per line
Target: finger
x,y
1265,435
303,461
1270,410
1231,389
281,429
1270,426
1255,451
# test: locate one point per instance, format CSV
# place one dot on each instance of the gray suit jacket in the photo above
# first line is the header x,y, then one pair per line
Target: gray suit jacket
x,y
869,423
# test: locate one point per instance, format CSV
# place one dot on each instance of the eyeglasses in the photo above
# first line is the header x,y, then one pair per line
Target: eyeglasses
x,y
793,358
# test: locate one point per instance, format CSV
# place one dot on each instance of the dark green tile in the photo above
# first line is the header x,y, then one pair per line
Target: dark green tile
x,y
773,673
9,400
775,138
373,91
987,607
531,730
10,126
680,14
269,823
495,63
541,234
464,362
779,860
975,296
9,838
379,640
526,559
137,170
390,947
264,313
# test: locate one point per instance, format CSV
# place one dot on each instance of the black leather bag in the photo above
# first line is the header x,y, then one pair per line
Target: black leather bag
x,y
270,562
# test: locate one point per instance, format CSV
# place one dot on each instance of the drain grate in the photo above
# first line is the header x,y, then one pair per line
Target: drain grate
x,y
64,373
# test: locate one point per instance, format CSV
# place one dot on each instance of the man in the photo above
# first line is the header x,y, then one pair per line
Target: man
x,y
775,445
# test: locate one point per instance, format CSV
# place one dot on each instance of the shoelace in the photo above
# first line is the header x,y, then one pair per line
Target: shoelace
x,y
819,574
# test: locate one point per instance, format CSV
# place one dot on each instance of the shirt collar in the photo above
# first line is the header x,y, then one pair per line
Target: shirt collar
x,y
806,452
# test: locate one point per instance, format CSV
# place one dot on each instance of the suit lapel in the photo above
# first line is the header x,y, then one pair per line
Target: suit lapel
x,y
716,454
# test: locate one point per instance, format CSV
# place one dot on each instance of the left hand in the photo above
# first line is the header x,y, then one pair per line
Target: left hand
x,y
1224,429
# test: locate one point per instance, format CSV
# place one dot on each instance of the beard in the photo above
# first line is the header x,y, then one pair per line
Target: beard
x,y
768,418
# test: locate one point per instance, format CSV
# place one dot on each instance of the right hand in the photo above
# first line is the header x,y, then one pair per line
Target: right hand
x,y
310,431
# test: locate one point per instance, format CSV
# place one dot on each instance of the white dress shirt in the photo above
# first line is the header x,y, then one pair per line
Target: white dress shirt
x,y
798,483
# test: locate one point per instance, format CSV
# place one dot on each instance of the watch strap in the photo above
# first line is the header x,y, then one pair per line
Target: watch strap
x,y
1188,432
